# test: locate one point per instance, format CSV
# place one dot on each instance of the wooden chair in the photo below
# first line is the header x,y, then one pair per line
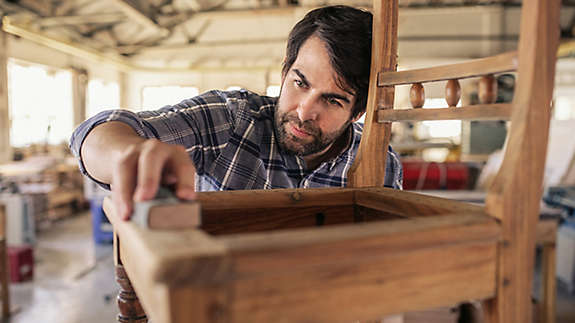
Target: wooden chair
x,y
311,255
4,285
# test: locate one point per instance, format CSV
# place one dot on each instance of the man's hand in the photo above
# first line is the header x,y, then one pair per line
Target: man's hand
x,y
138,172
135,167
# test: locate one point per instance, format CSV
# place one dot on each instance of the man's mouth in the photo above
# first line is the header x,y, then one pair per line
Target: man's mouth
x,y
298,132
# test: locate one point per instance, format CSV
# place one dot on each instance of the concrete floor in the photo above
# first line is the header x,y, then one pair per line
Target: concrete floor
x,y
74,280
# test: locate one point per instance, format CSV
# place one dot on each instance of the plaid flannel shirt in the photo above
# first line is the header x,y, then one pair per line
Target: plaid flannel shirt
x,y
231,140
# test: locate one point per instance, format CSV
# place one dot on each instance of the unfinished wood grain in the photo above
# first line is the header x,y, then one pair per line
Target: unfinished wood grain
x,y
366,270
368,168
226,200
268,219
516,191
200,304
157,261
410,204
369,289
549,287
500,63
501,111
546,231
366,214
401,230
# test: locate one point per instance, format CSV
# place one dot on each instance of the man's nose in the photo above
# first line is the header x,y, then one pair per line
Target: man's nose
x,y
307,109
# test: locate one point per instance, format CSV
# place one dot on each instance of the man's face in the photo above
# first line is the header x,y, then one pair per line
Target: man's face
x,y
313,111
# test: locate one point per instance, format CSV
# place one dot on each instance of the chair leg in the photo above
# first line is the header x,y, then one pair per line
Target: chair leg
x,y
549,288
131,310
4,284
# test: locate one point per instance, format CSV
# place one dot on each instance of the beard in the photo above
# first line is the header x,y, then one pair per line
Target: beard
x,y
303,147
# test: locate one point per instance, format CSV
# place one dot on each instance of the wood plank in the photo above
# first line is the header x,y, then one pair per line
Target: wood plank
x,y
243,220
546,232
58,21
394,232
362,271
515,194
499,111
549,290
199,304
158,261
368,169
410,204
367,214
250,199
505,62
140,15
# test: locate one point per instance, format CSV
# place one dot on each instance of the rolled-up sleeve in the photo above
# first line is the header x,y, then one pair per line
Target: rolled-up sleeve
x,y
79,135
201,124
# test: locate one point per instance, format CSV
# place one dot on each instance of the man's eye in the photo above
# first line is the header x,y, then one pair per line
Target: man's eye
x,y
334,102
299,83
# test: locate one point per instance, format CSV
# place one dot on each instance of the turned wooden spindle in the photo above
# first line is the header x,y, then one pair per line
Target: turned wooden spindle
x,y
452,92
417,95
131,310
487,91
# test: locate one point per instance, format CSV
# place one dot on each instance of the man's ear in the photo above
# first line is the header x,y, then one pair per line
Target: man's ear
x,y
284,72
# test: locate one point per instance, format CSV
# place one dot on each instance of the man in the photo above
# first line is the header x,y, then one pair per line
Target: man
x,y
239,140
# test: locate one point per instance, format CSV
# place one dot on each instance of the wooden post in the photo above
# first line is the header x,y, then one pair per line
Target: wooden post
x,y
124,88
79,86
547,308
368,168
5,150
4,284
515,194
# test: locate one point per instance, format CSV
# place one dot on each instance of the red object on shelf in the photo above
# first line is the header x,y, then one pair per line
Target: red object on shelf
x,y
418,175
21,263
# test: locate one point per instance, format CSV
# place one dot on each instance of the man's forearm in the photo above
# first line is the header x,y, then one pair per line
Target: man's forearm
x,y
103,145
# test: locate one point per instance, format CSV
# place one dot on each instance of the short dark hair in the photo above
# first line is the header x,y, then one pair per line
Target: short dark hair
x,y
346,32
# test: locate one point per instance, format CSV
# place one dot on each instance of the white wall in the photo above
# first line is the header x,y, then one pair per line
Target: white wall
x,y
255,80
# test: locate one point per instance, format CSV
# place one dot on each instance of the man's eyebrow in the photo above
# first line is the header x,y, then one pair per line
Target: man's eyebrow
x,y
301,76
335,96
325,95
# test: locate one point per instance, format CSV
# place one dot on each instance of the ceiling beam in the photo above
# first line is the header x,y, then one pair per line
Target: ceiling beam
x,y
58,21
182,48
139,15
65,47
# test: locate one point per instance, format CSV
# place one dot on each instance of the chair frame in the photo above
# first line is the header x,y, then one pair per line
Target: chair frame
x,y
259,256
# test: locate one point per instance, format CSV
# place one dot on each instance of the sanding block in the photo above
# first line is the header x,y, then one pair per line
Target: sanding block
x,y
166,211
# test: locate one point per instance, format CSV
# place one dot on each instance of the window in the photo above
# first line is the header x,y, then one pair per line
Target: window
x,y
439,129
564,106
155,97
101,96
40,104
